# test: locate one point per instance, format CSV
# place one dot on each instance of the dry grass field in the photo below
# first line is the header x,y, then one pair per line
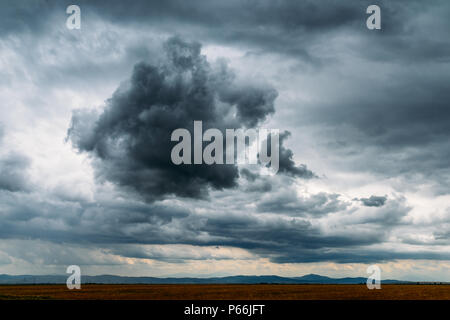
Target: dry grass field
x,y
226,292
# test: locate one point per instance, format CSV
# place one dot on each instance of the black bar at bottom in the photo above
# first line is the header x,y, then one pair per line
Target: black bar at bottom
x,y
232,309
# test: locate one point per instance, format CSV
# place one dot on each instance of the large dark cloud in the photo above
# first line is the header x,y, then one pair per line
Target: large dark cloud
x,y
131,139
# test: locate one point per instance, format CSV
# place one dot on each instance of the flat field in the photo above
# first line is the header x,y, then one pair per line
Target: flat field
x,y
225,292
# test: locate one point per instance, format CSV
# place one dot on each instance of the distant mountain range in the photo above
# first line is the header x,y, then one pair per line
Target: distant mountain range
x,y
111,279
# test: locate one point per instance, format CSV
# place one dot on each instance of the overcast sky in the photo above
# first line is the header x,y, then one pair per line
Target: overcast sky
x,y
86,117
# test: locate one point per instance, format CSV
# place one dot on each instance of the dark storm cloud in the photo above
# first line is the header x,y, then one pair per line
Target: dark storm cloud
x,y
252,104
374,201
124,224
296,240
284,240
131,140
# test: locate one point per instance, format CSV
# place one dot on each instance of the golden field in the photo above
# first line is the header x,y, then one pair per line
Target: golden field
x,y
226,292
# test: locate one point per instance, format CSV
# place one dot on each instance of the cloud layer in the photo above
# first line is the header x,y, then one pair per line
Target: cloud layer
x,y
367,111
131,137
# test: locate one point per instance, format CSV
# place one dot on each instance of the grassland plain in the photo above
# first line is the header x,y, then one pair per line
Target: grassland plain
x,y
225,292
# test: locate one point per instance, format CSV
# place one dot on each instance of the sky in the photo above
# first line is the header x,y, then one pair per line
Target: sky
x,y
364,118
